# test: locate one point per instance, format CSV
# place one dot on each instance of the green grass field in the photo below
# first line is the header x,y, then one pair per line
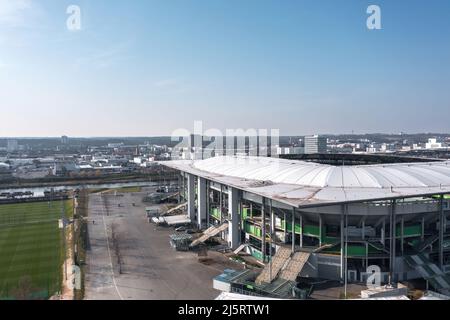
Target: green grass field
x,y
119,190
127,189
31,248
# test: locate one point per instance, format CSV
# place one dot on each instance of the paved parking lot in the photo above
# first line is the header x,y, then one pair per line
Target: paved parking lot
x,y
130,258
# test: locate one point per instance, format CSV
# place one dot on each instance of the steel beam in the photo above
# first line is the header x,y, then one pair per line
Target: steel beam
x,y
201,199
233,212
191,196
441,231
292,229
342,241
301,230
263,229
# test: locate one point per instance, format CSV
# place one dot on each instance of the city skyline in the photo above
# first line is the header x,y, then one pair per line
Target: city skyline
x,y
356,134
147,68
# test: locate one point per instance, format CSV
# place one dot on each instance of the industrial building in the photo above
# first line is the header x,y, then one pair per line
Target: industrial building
x,y
316,220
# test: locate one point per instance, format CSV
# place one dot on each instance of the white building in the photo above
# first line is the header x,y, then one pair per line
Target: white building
x,y
315,144
433,144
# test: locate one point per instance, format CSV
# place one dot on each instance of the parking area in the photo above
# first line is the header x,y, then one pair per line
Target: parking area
x,y
130,258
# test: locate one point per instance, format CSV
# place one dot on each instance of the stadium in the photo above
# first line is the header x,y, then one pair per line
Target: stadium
x,y
305,219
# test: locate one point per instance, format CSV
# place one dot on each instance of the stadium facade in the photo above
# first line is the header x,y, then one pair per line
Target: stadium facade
x,y
342,219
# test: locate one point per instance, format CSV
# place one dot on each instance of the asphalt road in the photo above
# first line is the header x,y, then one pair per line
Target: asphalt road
x,y
139,263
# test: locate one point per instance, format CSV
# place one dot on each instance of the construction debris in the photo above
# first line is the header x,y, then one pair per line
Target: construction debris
x,y
210,232
272,268
180,241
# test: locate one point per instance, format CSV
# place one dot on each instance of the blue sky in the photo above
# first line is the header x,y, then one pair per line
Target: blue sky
x,y
142,68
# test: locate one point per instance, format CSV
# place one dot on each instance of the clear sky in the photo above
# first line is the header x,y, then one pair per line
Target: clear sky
x,y
143,68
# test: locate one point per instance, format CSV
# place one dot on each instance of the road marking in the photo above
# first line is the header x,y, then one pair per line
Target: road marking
x,y
109,251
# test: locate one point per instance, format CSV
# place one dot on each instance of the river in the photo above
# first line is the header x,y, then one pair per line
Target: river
x,y
39,191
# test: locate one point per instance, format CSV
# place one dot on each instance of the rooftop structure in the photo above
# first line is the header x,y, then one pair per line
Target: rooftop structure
x,y
303,184
313,220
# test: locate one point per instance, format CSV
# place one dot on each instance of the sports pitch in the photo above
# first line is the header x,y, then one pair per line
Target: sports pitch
x,y
31,248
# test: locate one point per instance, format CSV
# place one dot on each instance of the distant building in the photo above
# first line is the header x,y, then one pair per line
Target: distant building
x,y
373,148
433,144
64,168
315,144
198,147
387,147
64,140
290,150
115,145
12,145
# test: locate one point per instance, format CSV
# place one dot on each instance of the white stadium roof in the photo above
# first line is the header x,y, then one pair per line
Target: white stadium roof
x,y
300,183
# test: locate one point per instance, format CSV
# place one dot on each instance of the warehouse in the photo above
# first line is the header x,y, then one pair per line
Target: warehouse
x,y
333,222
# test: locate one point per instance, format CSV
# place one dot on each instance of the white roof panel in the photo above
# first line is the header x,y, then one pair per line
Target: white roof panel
x,y
302,183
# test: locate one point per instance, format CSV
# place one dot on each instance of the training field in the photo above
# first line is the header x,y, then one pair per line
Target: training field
x,y
31,248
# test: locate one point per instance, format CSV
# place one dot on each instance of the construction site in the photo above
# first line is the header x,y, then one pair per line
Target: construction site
x,y
315,226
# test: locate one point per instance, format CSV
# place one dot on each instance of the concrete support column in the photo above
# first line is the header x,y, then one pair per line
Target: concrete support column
x,y
346,252
320,230
392,242
367,255
441,230
183,186
191,196
221,204
271,237
263,229
394,246
342,241
233,224
301,230
208,203
402,234
292,230
423,229
240,208
272,219
202,195
180,183
363,231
